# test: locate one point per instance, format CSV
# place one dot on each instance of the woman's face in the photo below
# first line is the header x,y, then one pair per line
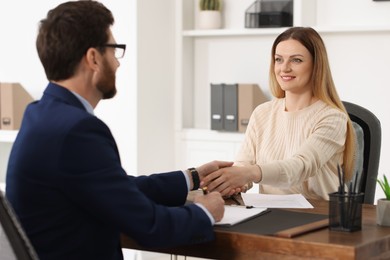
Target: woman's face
x,y
293,66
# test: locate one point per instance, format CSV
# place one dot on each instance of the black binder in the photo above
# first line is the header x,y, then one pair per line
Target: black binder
x,y
230,101
224,112
217,91
277,221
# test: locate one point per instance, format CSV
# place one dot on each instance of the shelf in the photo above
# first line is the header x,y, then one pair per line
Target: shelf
x,y
8,136
233,32
277,31
352,29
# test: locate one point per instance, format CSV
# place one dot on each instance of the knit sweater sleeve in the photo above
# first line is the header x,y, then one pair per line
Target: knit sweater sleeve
x,y
292,147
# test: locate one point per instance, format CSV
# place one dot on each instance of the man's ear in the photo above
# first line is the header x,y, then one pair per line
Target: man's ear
x,y
92,58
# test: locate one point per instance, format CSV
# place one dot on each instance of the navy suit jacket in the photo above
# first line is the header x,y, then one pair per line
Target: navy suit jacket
x,y
72,196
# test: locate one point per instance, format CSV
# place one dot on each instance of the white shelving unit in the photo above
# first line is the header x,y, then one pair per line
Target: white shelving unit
x,y
276,31
233,54
7,138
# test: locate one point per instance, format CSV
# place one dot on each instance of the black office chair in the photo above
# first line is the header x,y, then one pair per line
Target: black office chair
x,y
14,243
369,137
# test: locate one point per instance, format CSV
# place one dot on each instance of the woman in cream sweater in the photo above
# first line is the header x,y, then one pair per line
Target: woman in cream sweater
x,y
294,142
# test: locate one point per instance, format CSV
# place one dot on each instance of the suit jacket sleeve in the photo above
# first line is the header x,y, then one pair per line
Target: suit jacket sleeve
x,y
147,208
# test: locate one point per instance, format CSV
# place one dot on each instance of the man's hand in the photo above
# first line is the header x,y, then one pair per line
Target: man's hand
x,y
231,180
214,203
210,167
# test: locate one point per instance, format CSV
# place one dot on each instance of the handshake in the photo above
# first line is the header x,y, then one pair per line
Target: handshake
x,y
222,179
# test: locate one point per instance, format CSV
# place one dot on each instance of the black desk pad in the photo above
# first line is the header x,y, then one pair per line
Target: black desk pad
x,y
273,221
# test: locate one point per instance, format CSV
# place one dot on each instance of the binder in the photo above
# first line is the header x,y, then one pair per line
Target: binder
x,y
281,223
13,101
217,106
233,104
230,103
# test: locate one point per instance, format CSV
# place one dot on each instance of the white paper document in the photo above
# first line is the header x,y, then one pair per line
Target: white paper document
x,y
236,214
276,201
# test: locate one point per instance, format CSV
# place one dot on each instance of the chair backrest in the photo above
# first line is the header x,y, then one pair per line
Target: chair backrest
x,y
14,243
369,138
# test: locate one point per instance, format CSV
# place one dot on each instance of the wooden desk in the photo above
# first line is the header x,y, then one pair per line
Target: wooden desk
x,y
372,242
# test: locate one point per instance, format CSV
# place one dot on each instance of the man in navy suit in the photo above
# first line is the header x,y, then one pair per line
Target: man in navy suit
x,y
65,179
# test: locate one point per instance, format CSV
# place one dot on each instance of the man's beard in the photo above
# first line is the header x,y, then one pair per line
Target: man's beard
x,y
106,84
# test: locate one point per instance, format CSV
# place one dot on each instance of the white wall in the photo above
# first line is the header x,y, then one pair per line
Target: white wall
x,y
155,86
352,12
19,62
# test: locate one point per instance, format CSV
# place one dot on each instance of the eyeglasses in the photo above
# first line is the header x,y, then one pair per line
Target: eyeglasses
x,y
119,49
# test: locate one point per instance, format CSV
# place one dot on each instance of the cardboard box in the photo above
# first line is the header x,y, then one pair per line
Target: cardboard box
x,y
13,101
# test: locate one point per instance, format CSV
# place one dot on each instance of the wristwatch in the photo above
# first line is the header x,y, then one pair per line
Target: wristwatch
x,y
195,178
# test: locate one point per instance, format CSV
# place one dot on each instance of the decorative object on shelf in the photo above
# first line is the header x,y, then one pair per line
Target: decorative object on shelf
x,y
383,205
269,13
210,14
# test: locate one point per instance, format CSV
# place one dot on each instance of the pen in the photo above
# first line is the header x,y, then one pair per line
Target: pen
x,y
341,178
242,206
204,189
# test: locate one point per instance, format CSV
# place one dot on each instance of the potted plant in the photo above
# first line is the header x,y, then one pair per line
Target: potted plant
x,y
383,205
210,16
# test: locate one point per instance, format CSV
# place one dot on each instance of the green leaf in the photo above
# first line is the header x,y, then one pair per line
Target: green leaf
x,y
385,186
210,5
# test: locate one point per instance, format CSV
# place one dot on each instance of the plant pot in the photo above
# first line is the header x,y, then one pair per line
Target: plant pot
x,y
210,19
383,212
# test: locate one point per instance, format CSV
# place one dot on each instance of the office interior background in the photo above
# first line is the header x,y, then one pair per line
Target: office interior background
x,y
150,118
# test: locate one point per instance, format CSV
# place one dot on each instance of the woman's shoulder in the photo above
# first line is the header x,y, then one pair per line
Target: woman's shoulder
x,y
328,110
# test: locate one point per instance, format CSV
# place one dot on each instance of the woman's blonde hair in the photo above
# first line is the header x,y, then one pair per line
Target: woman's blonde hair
x,y
322,82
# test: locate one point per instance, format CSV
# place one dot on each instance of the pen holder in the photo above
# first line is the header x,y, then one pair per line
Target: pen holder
x,y
345,211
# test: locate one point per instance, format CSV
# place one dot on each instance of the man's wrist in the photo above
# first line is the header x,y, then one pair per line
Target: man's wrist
x,y
212,220
195,178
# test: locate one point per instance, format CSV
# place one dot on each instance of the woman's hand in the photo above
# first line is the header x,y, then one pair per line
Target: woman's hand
x,y
231,180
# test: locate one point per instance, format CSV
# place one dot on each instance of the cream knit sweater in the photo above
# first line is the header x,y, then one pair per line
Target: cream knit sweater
x,y
298,152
